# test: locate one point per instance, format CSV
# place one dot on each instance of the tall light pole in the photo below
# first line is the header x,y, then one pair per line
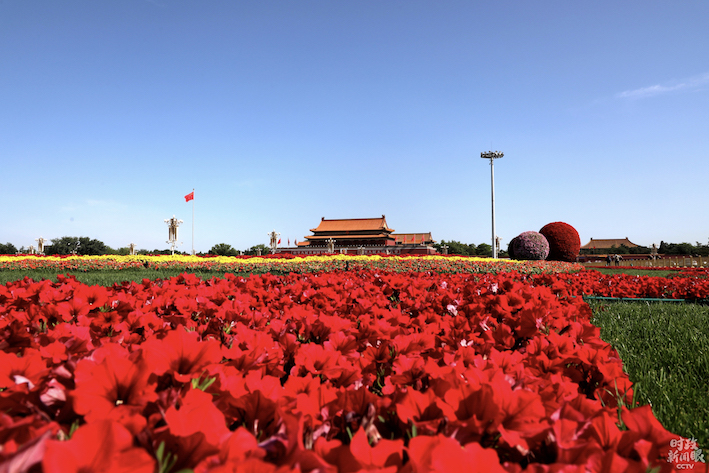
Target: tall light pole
x,y
492,155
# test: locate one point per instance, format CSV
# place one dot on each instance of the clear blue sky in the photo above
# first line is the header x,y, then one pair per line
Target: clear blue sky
x,y
279,113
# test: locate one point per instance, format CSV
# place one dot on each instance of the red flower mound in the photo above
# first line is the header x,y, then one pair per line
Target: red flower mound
x,y
564,241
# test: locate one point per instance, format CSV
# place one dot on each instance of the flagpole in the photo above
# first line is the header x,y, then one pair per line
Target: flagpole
x,y
193,221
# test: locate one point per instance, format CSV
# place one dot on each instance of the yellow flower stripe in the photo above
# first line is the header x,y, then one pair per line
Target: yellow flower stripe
x,y
260,264
231,259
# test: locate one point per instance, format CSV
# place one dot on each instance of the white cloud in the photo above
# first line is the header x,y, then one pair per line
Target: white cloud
x,y
692,83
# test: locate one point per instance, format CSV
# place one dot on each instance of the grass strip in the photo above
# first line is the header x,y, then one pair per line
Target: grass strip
x,y
665,351
108,277
662,273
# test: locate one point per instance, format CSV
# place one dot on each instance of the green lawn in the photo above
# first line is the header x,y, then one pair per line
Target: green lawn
x,y
107,277
663,273
665,351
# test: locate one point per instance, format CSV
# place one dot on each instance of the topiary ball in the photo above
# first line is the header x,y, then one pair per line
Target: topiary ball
x,y
531,246
511,248
564,241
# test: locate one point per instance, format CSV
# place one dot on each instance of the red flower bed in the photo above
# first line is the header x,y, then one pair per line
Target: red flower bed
x,y
342,371
688,285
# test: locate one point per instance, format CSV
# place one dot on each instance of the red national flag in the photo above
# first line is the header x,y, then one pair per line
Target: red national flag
x,y
189,196
279,241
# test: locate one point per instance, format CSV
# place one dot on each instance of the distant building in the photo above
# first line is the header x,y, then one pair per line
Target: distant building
x,y
607,244
361,236
353,232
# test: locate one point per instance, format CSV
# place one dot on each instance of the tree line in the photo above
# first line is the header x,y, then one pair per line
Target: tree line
x,y
679,249
87,246
466,249
91,247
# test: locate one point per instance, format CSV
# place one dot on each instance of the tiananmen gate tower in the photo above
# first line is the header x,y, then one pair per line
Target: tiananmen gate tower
x,y
361,236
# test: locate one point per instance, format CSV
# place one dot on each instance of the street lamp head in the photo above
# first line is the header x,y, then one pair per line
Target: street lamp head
x,y
492,155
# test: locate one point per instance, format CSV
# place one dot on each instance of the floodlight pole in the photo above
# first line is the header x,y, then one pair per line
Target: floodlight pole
x,y
492,155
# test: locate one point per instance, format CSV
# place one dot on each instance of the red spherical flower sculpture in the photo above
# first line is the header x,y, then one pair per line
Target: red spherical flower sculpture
x,y
564,241
511,248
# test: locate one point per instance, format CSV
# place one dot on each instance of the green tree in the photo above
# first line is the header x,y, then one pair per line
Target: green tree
x,y
702,250
678,249
7,249
455,248
484,249
81,245
63,246
254,249
222,249
466,249
685,249
156,252
619,250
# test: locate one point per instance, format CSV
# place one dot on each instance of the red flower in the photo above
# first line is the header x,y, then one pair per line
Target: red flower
x,y
188,451
55,351
645,438
421,408
524,417
23,440
317,360
301,362
408,371
197,413
72,309
113,385
96,296
77,340
98,447
444,454
310,395
29,369
181,354
386,456
240,446
254,350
